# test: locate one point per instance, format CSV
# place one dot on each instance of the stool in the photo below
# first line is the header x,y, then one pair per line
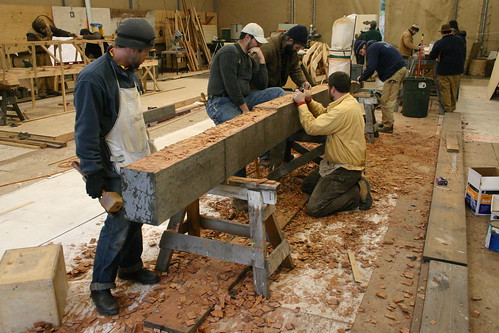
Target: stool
x,y
262,197
8,103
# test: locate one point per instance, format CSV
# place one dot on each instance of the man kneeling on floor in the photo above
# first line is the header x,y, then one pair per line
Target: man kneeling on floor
x,y
338,183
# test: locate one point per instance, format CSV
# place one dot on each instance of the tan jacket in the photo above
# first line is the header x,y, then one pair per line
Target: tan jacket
x,y
406,45
272,52
343,123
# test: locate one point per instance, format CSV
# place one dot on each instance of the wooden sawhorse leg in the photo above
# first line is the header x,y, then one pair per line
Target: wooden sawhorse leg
x,y
262,226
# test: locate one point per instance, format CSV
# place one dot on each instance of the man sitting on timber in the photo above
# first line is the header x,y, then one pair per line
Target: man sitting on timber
x,y
282,58
337,184
232,72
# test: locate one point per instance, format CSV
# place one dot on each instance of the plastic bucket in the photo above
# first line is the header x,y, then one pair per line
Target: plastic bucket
x,y
416,96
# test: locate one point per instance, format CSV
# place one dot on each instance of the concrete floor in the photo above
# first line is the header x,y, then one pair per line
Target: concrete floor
x,y
40,211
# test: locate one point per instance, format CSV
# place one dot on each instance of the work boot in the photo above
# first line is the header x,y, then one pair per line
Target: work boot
x,y
366,200
142,276
105,303
384,129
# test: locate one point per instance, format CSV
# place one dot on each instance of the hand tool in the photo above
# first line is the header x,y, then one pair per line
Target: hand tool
x,y
420,55
110,201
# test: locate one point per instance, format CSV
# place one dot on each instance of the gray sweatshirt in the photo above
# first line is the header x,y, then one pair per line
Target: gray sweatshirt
x,y
231,73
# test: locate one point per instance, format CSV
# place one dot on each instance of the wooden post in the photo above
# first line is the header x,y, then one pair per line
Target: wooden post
x,y
257,232
63,84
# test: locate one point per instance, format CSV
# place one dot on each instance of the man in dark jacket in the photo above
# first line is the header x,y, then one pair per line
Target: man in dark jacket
x,y
450,54
281,57
390,65
43,29
109,134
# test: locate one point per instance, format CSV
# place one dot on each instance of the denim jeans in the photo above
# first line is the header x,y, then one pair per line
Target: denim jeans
x,y
119,246
221,109
335,192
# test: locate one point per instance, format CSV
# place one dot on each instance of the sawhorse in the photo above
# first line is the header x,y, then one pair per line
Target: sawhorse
x,y
282,153
8,102
369,101
261,195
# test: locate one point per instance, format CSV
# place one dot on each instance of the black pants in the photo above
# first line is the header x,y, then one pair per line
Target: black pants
x,y
336,192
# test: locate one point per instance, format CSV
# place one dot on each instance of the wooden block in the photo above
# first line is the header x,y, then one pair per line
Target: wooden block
x,y
33,287
159,185
446,301
452,142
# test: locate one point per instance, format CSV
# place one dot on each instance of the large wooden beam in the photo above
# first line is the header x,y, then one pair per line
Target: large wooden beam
x,y
159,185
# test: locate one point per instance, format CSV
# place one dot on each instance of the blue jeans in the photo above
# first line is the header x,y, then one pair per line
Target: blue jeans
x,y
221,109
119,246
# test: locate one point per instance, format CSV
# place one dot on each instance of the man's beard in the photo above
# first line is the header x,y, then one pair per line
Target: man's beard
x,y
288,49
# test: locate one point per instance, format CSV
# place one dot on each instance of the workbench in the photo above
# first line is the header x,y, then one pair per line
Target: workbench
x,y
367,98
8,102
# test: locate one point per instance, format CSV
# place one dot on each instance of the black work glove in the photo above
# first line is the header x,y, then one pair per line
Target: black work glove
x,y
96,184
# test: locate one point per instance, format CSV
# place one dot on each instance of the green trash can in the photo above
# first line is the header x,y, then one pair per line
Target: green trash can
x,y
416,96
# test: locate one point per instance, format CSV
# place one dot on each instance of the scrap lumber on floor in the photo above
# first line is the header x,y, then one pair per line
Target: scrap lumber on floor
x,y
446,234
446,300
151,185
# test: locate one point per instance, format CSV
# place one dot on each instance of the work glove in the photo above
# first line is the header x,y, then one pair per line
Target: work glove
x,y
96,184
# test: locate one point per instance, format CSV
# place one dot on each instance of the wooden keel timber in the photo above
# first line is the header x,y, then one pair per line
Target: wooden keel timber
x,y
154,187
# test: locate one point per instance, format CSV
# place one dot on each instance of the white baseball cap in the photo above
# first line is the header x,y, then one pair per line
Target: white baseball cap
x,y
256,31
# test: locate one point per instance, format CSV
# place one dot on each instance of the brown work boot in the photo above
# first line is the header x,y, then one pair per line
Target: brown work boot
x,y
366,200
384,129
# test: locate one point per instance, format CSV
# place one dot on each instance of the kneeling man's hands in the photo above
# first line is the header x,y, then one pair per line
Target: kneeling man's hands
x,y
298,96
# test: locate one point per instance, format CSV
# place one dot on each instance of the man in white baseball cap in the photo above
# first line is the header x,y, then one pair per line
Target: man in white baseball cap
x,y
232,73
256,31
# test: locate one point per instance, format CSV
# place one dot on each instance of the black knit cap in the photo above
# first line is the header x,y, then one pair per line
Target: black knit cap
x,y
136,33
299,33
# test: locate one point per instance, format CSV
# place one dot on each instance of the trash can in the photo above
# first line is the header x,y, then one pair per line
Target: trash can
x,y
416,96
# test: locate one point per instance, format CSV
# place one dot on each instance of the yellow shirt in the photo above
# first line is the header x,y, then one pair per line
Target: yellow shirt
x,y
343,123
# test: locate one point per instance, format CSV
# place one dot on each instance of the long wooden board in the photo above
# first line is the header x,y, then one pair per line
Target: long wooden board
x,y
158,186
446,234
446,301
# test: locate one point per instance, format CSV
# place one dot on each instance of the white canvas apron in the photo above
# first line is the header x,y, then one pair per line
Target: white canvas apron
x,y
128,140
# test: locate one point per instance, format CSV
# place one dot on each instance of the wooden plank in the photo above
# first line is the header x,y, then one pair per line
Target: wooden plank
x,y
446,301
446,233
157,114
209,247
151,185
452,142
355,269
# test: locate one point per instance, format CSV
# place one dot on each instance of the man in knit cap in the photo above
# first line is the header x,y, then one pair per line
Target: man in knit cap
x,y
110,133
450,52
281,57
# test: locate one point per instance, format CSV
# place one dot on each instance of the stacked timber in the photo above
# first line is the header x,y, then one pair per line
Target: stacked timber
x,y
316,62
189,24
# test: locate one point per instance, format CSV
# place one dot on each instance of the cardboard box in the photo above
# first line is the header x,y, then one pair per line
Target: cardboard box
x,y
33,287
482,184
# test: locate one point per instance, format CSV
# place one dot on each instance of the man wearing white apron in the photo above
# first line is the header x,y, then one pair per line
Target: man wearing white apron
x,y
110,133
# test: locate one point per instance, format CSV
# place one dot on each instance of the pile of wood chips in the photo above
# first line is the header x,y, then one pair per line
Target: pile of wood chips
x,y
320,294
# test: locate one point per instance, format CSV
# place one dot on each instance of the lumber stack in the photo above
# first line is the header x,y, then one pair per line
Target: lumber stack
x,y
316,63
188,22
